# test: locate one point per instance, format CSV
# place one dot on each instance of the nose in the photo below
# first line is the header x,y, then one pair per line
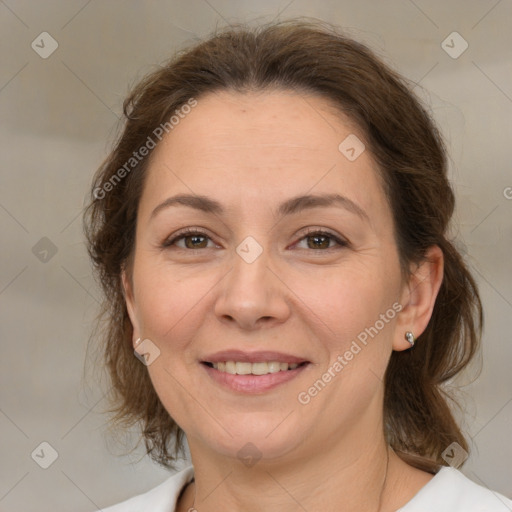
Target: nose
x,y
252,295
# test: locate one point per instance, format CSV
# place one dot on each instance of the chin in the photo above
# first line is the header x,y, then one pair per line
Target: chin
x,y
263,439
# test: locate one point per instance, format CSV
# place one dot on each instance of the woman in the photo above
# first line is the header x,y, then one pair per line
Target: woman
x,y
270,233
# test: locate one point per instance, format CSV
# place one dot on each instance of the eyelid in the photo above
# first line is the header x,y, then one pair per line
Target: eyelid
x,y
182,233
189,231
341,241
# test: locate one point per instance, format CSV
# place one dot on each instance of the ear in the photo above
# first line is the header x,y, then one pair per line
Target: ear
x,y
419,296
130,305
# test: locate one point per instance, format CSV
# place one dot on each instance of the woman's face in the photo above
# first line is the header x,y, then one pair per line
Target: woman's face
x,y
289,258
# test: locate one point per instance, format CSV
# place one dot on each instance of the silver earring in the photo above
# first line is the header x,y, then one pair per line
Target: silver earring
x,y
409,336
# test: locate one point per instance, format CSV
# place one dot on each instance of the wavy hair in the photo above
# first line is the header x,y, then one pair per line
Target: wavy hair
x,y
317,58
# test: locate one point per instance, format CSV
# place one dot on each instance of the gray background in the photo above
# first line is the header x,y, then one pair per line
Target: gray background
x,y
59,116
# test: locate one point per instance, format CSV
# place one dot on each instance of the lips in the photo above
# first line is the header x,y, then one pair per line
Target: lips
x,y
253,372
253,384
253,357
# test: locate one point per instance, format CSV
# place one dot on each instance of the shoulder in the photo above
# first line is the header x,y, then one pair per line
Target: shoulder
x,y
159,499
451,491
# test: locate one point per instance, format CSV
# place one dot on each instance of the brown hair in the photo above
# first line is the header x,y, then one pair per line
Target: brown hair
x,y
315,58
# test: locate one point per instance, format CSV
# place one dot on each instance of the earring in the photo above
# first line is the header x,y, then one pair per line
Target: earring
x,y
409,336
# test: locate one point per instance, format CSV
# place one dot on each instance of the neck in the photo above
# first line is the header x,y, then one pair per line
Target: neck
x,y
338,477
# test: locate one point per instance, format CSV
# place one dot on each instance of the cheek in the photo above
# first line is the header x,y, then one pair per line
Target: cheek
x,y
172,304
347,302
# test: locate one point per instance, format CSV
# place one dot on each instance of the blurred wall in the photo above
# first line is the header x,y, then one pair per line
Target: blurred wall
x,y
60,100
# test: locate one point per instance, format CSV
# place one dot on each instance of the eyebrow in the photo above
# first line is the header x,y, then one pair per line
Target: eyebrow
x,y
289,207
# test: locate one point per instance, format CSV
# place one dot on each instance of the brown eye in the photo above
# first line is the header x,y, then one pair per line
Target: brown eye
x,y
188,240
195,241
318,241
321,240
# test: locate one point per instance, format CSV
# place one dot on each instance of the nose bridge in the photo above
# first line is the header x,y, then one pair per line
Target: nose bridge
x,y
251,293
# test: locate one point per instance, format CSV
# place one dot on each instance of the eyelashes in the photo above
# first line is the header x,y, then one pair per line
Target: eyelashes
x,y
321,234
196,239
188,233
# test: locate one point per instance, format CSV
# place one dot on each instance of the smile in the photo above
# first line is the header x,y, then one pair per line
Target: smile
x,y
257,368
252,378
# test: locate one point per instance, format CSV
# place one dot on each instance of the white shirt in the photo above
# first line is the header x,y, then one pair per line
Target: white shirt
x,y
449,491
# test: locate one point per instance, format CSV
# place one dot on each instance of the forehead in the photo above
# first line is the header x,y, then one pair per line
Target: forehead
x,y
261,148
259,122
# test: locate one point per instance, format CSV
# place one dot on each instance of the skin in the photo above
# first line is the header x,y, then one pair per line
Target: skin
x,y
250,152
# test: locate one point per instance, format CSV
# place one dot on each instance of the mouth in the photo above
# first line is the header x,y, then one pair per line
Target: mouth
x,y
252,377
256,368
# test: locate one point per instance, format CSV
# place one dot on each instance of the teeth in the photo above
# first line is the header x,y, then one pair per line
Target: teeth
x,y
243,368
274,367
230,367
